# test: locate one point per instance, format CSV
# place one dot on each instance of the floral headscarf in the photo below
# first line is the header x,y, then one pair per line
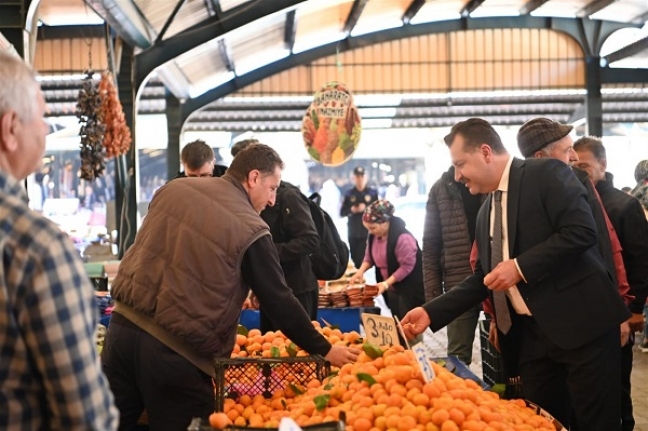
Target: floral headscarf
x,y
378,212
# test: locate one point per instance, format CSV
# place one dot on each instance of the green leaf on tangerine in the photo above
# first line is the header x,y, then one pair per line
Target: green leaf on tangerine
x,y
292,350
364,377
275,352
373,351
296,389
321,401
242,330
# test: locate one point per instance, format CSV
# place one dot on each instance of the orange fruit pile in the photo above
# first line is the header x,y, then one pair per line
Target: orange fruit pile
x,y
276,345
386,393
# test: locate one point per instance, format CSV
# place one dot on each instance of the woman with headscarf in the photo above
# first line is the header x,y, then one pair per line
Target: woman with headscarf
x,y
393,250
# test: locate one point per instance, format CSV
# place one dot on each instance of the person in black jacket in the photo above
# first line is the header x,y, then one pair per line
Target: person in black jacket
x,y
198,160
356,200
627,217
295,236
393,250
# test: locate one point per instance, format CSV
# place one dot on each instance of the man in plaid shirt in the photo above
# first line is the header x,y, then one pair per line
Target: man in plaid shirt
x,y
50,375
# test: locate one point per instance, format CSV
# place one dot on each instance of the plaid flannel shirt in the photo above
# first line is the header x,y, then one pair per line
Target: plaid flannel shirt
x,y
50,374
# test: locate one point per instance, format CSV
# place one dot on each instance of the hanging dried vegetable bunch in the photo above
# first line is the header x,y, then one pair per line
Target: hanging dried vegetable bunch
x,y
117,139
92,129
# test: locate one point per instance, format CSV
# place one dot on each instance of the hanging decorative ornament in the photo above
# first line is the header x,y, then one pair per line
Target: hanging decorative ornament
x,y
92,129
117,139
331,127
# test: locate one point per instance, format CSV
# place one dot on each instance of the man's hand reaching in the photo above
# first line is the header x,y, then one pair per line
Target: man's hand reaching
x,y
340,355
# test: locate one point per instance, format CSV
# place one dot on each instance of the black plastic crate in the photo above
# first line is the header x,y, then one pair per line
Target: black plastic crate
x,y
100,284
493,365
264,376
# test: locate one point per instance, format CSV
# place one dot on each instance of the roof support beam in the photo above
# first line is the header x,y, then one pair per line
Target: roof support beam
x,y
623,76
412,10
470,7
354,15
169,20
168,49
290,30
593,7
531,5
628,51
593,99
226,55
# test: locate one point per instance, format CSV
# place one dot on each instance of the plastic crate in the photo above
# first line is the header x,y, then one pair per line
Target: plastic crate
x,y
493,365
252,376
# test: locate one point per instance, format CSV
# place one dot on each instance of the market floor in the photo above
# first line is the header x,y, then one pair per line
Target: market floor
x,y
438,341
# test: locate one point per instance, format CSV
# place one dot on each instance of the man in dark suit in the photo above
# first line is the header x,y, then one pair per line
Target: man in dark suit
x,y
557,310
629,222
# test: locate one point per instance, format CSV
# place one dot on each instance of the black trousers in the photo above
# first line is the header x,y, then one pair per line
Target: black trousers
x,y
587,378
145,374
357,247
308,300
627,417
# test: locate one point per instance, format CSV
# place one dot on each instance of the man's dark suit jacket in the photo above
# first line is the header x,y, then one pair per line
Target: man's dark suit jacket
x,y
553,236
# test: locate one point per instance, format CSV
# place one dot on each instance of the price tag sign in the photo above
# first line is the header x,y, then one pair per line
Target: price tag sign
x,y
420,353
380,330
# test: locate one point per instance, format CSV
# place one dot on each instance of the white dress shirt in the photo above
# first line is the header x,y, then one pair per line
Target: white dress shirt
x,y
513,293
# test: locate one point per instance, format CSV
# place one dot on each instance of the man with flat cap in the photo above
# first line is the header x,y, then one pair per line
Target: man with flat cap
x,y
544,138
556,308
355,201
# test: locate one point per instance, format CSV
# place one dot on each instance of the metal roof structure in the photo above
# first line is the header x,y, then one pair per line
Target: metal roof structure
x,y
204,50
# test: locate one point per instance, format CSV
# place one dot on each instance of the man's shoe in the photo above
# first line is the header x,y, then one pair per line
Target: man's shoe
x,y
644,347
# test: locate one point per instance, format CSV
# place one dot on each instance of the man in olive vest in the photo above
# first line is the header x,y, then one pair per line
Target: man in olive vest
x,y
180,289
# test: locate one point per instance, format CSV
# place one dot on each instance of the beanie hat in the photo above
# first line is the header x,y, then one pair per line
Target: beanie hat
x,y
379,211
536,134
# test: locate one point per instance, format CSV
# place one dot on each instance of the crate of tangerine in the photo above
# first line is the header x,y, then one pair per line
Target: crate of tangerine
x,y
250,377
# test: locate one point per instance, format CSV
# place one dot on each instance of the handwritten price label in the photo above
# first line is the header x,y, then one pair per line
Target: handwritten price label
x,y
380,330
420,353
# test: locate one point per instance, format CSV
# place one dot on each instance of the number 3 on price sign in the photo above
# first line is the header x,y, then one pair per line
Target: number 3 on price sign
x,y
380,330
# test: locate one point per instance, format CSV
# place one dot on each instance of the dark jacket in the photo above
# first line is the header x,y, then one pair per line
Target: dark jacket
x,y
353,197
603,238
627,217
407,293
219,171
553,236
295,237
448,235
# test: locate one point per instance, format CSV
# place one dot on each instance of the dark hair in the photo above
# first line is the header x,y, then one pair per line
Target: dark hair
x,y
195,154
641,193
255,156
626,189
592,144
241,145
475,132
